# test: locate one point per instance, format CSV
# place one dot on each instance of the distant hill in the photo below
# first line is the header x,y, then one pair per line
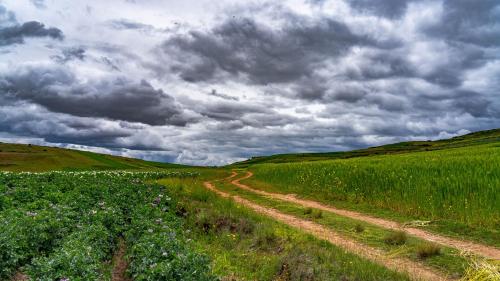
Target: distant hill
x,y
480,137
23,157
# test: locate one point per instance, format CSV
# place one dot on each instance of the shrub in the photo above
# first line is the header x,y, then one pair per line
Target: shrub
x,y
267,241
396,238
204,221
296,266
317,214
358,228
428,250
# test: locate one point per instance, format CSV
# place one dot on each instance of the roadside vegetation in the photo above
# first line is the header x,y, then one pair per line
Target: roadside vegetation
x,y
458,190
395,244
244,245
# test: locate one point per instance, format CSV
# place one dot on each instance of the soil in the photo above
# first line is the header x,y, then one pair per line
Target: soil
x,y
120,264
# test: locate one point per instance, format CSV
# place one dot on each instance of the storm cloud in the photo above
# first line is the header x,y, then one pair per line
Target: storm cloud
x,y
245,47
116,98
198,83
12,32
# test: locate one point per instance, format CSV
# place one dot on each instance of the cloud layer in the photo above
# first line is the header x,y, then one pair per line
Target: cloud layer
x,y
222,83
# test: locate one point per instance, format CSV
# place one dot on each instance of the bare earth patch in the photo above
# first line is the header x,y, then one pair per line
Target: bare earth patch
x,y
19,276
120,264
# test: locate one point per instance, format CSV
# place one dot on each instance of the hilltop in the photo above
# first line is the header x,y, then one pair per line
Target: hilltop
x,y
34,158
475,138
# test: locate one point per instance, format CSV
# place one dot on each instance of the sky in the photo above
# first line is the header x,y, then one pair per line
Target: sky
x,y
212,82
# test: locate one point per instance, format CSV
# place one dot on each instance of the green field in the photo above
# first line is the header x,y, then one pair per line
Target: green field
x,y
70,214
67,225
472,139
461,184
33,158
457,190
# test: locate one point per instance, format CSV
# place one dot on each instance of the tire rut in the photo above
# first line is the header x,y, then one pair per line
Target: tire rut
x,y
414,270
467,246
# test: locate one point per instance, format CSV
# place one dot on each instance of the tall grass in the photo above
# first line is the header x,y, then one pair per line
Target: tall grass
x,y
460,184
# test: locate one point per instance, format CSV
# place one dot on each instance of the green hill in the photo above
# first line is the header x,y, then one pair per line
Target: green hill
x,y
33,158
476,138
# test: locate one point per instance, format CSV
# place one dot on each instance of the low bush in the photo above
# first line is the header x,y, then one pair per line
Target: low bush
x,y
317,214
396,238
358,228
267,241
427,250
296,265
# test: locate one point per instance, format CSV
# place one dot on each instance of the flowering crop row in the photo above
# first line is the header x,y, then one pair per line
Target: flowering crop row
x,y
65,225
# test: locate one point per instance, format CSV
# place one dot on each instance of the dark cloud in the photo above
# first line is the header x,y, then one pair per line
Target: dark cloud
x,y
283,81
243,47
54,128
473,103
59,90
124,24
385,8
228,110
17,33
40,4
380,64
110,64
471,22
222,96
68,54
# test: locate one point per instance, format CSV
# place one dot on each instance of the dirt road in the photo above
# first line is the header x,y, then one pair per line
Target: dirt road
x,y
475,248
415,270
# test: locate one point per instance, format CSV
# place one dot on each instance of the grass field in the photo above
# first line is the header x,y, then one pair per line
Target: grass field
x,y
73,223
69,225
449,260
461,186
472,139
247,246
22,157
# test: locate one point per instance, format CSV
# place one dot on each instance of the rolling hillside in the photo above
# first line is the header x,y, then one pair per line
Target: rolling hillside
x,y
476,138
22,157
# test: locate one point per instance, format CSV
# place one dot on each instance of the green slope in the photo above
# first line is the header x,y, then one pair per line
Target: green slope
x,y
476,138
33,158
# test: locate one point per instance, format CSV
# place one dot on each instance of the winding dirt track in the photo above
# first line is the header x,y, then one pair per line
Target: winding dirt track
x,y
475,248
415,270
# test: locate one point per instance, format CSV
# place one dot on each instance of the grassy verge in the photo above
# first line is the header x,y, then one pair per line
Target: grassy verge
x,y
393,243
461,184
441,226
246,246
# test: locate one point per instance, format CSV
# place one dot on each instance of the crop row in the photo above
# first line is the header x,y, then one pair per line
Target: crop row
x,y
65,226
